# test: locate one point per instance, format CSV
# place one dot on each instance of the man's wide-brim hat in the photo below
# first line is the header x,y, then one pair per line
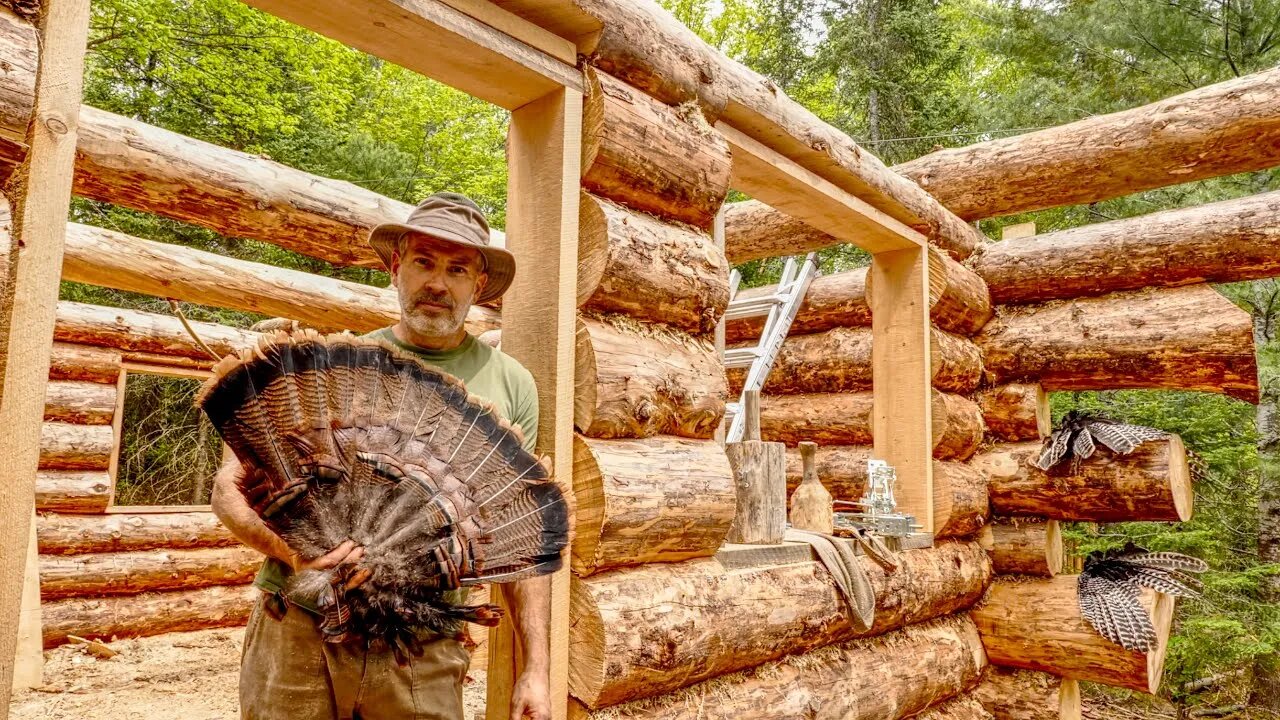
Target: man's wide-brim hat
x,y
455,219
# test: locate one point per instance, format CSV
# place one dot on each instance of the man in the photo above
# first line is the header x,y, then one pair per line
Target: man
x,y
440,262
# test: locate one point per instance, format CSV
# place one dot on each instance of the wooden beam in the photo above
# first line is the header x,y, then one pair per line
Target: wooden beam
x,y
30,297
785,185
438,41
518,28
539,329
28,664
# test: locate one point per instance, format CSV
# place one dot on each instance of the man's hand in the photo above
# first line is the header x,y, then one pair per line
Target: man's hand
x,y
531,697
347,553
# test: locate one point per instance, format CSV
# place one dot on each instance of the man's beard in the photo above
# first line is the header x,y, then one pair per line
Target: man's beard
x,y
433,321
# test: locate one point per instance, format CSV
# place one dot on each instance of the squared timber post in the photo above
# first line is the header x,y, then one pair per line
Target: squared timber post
x,y
539,313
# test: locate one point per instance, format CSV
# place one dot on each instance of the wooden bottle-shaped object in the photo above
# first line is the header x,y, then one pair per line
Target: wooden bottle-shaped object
x,y
760,480
811,503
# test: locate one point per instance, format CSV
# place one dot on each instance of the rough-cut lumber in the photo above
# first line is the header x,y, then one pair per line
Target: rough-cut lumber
x,y
839,360
73,491
130,573
1223,129
1028,695
120,532
1226,241
147,614
83,362
958,708
653,629
140,331
753,230
639,380
658,499
78,401
1036,625
1025,547
649,156
759,482
1017,411
1152,483
635,264
884,678
64,446
1189,338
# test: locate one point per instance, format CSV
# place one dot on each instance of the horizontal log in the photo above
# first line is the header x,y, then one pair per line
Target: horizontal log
x,y
83,362
651,157
1017,411
630,511
1028,695
649,630
1026,547
964,707
1223,129
146,614
136,330
634,379
73,491
1189,338
884,678
753,230
80,402
1036,625
64,446
635,264
845,419
121,532
1153,483
839,361
130,573
1226,241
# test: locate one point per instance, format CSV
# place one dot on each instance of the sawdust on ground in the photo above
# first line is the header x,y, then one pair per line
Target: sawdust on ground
x,y
179,676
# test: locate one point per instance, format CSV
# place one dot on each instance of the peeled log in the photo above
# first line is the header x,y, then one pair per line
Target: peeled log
x,y
958,708
146,614
872,679
136,330
845,419
120,532
73,491
64,446
1028,695
1189,338
80,402
648,630
753,230
1025,547
839,360
130,573
649,156
83,362
1151,483
1017,411
1036,625
635,264
659,499
639,380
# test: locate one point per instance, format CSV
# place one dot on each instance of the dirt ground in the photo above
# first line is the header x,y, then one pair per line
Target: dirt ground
x,y
180,676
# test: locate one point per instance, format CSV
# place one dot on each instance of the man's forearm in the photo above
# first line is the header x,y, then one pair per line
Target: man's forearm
x,y
533,622
234,512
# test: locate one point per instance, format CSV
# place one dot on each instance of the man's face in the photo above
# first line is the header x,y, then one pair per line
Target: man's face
x,y
437,282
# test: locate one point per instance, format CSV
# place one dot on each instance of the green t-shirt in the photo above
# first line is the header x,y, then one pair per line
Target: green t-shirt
x,y
488,374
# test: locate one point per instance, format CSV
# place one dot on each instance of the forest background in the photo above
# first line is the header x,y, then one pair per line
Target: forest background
x,y
902,77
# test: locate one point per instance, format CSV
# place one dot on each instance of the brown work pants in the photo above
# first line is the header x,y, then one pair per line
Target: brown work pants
x,y
288,671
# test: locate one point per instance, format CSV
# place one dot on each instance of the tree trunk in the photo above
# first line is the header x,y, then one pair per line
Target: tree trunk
x,y
1153,483
1036,625
958,708
79,402
73,491
650,630
649,156
135,330
1028,695
631,511
83,362
64,446
1189,338
638,380
147,614
753,230
1017,411
130,573
120,532
635,264
1026,547
1265,692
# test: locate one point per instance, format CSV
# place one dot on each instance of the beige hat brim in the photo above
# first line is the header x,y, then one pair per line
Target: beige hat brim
x,y
500,265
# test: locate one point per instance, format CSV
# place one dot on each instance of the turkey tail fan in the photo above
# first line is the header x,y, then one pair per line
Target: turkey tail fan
x,y
1168,561
343,438
1121,437
1112,608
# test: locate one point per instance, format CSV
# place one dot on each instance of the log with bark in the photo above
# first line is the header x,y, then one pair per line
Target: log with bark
x,y
882,678
963,707
649,156
1024,547
64,446
1189,338
73,491
1028,695
1153,483
136,330
634,379
1036,625
635,264
133,572
79,402
839,360
1017,411
147,614
84,362
659,499
121,532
